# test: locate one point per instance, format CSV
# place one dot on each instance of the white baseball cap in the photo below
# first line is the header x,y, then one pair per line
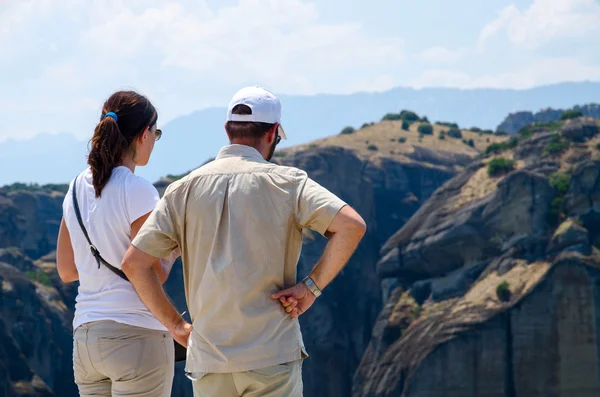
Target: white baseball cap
x,y
265,107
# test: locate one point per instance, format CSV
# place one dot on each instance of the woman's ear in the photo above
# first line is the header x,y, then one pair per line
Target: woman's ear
x,y
144,135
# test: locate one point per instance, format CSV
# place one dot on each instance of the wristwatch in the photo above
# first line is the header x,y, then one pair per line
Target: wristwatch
x,y
312,286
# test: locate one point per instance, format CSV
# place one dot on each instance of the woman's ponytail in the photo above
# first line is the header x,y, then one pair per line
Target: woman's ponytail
x,y
107,151
125,116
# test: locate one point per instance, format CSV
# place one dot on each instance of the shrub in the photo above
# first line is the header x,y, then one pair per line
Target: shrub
x,y
471,143
425,119
40,276
312,146
571,114
556,205
392,140
409,115
366,125
446,124
501,146
475,129
454,133
442,135
598,146
392,116
488,132
373,148
402,139
526,132
405,125
560,181
500,165
503,291
501,133
279,154
556,145
425,129
347,130
34,187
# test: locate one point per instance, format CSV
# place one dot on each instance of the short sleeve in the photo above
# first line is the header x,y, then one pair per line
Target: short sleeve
x,y
316,206
141,198
159,235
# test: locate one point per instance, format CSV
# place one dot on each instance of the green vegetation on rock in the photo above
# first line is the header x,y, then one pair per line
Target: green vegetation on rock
x,y
502,146
39,276
454,132
373,148
348,130
425,129
503,291
500,165
560,181
556,145
34,187
571,114
405,125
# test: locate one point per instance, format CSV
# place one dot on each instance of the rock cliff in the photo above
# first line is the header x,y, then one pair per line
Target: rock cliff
x,y
491,288
515,121
385,172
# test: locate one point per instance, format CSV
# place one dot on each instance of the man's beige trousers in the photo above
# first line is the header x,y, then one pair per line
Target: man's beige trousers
x,y
113,359
284,380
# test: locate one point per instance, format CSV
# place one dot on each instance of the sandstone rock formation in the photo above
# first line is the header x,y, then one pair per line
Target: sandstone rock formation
x,y
386,186
491,287
515,121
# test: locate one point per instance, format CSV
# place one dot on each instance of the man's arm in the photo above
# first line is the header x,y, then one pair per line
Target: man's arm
x,y
345,231
139,268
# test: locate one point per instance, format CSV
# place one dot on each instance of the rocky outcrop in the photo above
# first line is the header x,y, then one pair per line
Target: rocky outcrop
x,y
336,331
515,121
491,287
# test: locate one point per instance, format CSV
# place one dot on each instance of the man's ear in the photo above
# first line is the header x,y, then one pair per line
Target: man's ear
x,y
272,133
227,132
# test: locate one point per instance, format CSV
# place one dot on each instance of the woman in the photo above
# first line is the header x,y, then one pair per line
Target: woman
x,y
119,347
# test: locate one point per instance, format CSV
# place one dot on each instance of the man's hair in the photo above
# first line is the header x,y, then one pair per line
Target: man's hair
x,y
246,129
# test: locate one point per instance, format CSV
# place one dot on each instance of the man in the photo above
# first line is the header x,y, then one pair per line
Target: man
x,y
238,222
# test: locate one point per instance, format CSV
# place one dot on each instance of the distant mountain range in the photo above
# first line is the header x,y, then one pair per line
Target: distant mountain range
x,y
190,140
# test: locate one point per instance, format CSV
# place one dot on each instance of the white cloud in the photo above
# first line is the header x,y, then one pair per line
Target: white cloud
x,y
70,55
541,72
543,22
441,55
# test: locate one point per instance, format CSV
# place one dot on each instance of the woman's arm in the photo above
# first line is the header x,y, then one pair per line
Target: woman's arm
x,y
135,228
65,258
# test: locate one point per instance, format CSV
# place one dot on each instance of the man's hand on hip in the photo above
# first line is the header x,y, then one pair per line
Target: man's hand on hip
x,y
295,300
181,332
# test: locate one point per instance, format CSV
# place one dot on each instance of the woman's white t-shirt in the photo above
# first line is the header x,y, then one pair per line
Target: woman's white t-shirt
x,y
103,295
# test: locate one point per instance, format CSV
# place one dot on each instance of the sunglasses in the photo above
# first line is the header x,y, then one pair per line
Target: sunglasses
x,y
158,134
277,140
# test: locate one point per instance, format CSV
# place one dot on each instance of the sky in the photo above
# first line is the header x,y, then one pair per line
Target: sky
x,y
61,59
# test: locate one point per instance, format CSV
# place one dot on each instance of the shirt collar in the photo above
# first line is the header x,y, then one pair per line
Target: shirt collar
x,y
236,150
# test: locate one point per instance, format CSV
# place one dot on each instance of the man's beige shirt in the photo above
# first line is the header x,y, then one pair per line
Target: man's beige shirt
x,y
238,221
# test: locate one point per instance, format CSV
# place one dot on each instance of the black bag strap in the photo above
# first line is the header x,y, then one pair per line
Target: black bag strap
x,y
93,248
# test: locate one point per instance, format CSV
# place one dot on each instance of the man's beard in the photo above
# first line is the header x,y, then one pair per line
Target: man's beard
x,y
272,150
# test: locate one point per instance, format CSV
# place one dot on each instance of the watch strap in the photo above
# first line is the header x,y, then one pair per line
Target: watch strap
x,y
312,286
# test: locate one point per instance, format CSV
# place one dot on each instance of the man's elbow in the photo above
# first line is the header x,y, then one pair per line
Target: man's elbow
x,y
135,260
355,223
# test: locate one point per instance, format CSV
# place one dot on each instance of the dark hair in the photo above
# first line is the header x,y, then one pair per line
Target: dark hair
x,y
113,138
246,129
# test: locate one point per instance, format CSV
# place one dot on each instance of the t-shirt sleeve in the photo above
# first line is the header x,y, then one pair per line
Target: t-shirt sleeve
x,y
141,198
316,206
159,236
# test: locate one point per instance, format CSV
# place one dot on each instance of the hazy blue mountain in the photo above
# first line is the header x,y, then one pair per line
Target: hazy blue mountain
x,y
190,140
